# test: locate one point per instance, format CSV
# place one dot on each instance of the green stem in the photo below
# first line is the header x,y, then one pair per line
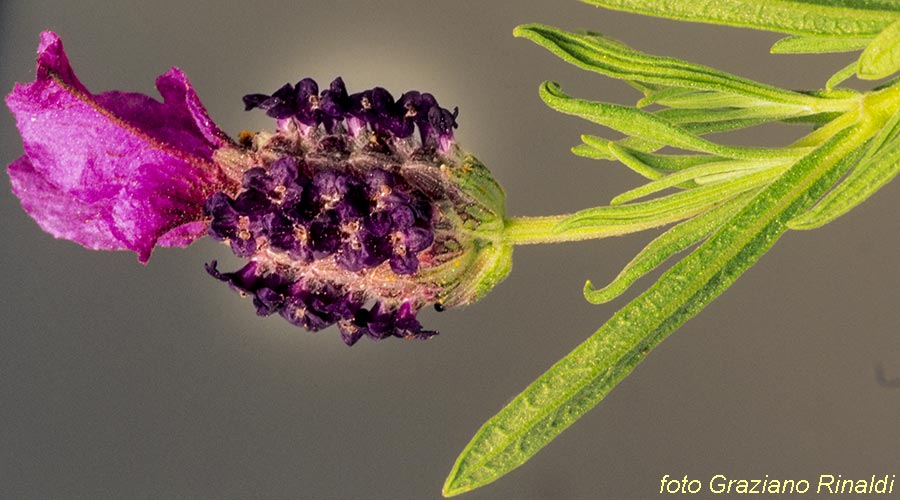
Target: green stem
x,y
533,230
536,230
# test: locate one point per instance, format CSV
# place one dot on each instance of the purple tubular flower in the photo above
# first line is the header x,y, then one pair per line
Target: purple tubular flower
x,y
114,171
374,110
345,215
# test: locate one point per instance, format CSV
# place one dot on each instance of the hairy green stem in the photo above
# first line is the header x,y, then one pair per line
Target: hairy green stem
x,y
533,230
536,230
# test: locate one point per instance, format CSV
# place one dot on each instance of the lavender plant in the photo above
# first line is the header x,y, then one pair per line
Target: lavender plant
x,y
360,209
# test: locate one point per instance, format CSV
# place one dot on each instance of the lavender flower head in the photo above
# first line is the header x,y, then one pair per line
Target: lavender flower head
x,y
357,211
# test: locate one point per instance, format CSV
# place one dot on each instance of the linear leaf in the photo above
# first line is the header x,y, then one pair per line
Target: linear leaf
x,y
661,211
665,246
649,165
588,151
642,124
889,5
740,167
800,44
796,17
580,380
603,55
700,115
703,128
841,76
667,162
881,57
710,99
625,156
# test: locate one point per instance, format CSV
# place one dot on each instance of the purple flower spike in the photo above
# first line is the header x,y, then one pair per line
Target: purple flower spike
x,y
114,171
345,215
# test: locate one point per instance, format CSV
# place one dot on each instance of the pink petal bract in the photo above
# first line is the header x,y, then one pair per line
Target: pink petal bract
x,y
117,170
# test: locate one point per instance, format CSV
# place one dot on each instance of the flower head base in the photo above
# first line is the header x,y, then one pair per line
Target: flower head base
x,y
344,207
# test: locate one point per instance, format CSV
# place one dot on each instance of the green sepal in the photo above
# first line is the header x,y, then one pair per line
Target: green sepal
x,y
472,215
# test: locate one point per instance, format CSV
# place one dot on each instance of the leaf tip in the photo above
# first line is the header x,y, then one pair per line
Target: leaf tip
x,y
449,490
453,486
805,223
588,290
531,31
551,92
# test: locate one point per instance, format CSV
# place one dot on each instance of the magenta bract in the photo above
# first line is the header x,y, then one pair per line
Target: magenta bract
x,y
117,170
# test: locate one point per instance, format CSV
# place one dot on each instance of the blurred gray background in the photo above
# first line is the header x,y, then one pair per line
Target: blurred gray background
x,y
124,381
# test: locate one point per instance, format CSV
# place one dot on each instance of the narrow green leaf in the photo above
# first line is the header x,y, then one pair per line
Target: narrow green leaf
x,y
606,56
739,167
817,119
625,156
588,151
649,165
709,179
846,18
669,163
841,76
879,165
642,124
660,211
579,381
889,5
882,56
712,127
662,248
819,44
706,121
653,96
709,99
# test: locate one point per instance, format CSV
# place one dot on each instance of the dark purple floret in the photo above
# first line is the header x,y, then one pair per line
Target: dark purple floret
x,y
325,235
442,120
406,324
289,237
252,101
278,185
363,250
230,224
335,101
281,104
375,110
252,203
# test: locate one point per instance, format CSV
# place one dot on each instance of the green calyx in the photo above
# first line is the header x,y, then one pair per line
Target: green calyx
x,y
473,257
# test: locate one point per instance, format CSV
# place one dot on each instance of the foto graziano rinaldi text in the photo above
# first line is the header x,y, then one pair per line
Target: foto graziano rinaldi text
x,y
825,484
